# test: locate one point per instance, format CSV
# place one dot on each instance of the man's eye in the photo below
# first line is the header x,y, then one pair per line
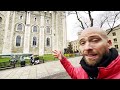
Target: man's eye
x,y
94,40
82,43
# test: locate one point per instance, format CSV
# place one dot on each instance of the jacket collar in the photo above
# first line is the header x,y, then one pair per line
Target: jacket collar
x,y
106,60
111,71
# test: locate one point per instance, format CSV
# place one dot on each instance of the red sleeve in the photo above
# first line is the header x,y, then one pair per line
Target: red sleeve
x,y
71,70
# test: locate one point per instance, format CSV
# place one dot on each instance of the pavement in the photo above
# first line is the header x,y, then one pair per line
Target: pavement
x,y
47,70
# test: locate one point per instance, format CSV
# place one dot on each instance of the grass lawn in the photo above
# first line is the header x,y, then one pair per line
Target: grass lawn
x,y
4,59
48,57
4,62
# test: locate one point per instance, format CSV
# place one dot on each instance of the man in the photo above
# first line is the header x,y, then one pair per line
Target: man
x,y
13,61
32,59
100,60
22,61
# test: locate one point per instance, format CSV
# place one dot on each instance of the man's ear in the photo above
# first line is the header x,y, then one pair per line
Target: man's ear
x,y
109,43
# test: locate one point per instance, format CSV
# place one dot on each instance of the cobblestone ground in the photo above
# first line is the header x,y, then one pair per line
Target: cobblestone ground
x,y
61,75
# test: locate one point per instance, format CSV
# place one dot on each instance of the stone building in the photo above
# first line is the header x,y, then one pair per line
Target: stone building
x,y
75,43
115,37
37,32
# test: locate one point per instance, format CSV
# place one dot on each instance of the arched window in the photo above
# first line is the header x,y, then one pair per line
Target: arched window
x,y
20,17
35,19
47,21
35,29
34,41
0,19
48,29
48,42
18,40
19,27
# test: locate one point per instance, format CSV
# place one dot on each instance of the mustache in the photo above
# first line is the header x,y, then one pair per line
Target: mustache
x,y
85,53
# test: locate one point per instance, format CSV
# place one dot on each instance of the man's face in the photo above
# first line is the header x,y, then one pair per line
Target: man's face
x,y
93,46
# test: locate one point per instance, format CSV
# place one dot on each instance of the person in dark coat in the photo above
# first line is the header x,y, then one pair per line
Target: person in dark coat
x,y
32,60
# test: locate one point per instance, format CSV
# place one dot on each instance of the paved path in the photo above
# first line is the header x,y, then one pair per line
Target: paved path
x,y
60,75
48,70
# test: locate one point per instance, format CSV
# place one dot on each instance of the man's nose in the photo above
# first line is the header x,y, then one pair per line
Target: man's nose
x,y
87,46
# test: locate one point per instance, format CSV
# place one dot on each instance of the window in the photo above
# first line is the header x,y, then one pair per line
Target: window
x,y
18,40
116,46
0,19
114,33
35,19
34,41
19,27
115,39
48,41
48,29
20,17
47,22
34,29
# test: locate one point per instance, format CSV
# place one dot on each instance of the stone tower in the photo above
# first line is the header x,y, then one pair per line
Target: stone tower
x,y
37,32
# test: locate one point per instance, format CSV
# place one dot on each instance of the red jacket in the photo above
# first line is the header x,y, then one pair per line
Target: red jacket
x,y
112,71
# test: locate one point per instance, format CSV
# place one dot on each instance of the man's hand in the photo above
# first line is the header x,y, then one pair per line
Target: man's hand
x,y
57,54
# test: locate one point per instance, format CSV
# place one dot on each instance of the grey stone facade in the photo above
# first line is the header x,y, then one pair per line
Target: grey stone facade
x,y
37,32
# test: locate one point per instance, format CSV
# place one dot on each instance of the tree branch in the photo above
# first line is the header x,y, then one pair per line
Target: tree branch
x,y
102,22
114,21
91,19
79,20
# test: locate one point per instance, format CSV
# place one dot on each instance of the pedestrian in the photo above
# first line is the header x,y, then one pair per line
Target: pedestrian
x,y
13,61
36,60
22,61
99,59
31,59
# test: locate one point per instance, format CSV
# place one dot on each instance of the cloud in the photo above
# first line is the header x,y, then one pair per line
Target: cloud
x,y
71,29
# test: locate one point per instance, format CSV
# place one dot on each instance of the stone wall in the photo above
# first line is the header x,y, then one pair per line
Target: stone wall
x,y
19,17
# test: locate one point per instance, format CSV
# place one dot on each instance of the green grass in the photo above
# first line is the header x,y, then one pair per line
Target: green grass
x,y
4,59
46,57
49,57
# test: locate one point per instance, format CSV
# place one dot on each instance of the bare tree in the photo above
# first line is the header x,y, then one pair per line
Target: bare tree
x,y
103,21
113,19
91,19
107,17
81,22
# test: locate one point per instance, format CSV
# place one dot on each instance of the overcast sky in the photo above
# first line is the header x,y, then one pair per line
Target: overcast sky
x,y
71,31
72,24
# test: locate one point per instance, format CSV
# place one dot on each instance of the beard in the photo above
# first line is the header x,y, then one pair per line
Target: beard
x,y
92,62
95,61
